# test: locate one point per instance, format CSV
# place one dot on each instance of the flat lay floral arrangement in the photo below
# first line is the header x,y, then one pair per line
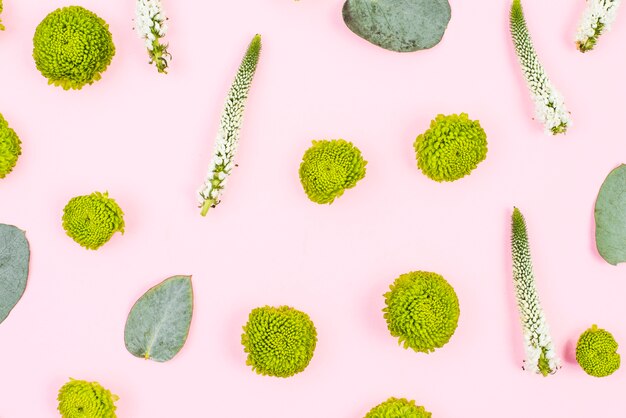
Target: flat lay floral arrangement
x,y
345,208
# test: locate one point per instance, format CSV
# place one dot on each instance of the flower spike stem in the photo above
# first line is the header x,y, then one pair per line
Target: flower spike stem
x,y
231,120
549,105
597,19
208,204
540,354
151,27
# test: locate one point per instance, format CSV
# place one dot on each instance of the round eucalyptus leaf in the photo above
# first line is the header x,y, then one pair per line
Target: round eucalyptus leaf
x,y
158,323
610,215
398,25
14,259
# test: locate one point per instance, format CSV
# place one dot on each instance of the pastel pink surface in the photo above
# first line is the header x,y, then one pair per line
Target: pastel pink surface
x,y
147,139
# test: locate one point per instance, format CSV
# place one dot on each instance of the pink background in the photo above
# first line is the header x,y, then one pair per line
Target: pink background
x,y
147,139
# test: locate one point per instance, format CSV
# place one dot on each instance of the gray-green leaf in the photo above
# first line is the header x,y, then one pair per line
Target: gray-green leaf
x,y
402,26
158,324
610,217
14,258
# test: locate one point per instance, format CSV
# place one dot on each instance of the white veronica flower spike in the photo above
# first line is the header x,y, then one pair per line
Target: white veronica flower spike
x,y
228,135
549,105
151,27
540,354
597,19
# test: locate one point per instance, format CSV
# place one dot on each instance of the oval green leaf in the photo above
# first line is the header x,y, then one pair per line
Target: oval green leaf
x,y
14,259
610,215
402,26
158,323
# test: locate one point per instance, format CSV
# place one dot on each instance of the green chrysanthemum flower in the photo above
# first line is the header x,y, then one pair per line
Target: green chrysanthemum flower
x,y
81,399
398,408
72,47
1,25
596,352
279,341
10,148
330,167
422,311
451,148
92,220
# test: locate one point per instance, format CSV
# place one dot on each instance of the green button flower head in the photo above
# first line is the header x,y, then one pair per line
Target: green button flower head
x,y
451,148
330,167
72,47
422,311
279,341
81,399
596,352
92,220
398,408
10,148
1,25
